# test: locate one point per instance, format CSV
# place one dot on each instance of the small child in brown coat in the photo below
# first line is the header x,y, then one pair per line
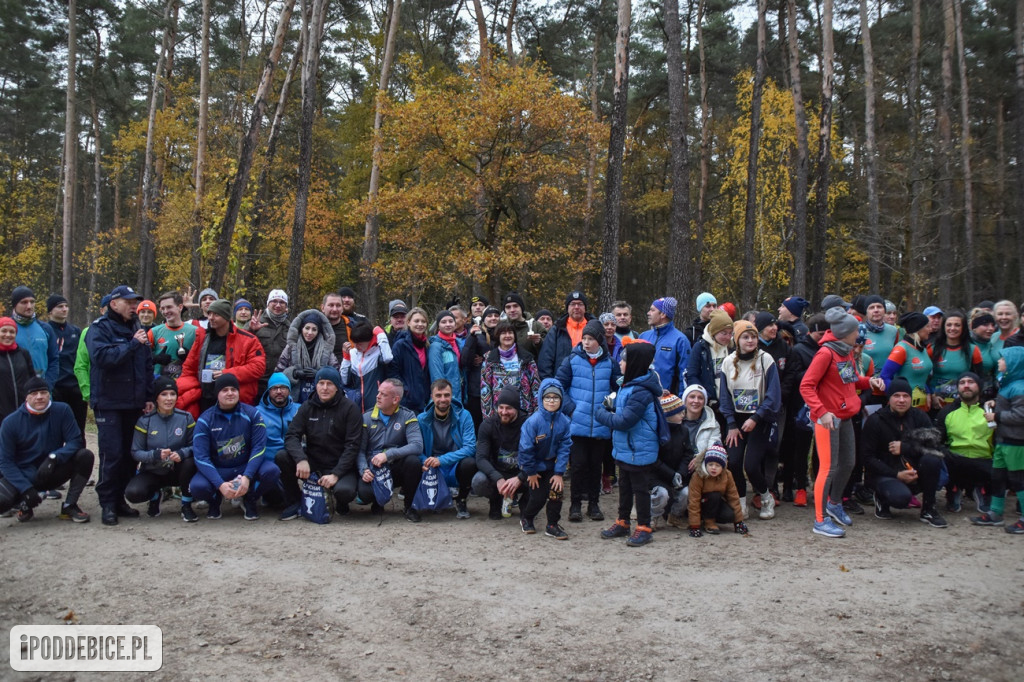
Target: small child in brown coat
x,y
713,494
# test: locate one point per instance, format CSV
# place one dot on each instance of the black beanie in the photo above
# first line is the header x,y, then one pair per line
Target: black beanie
x,y
509,396
969,375
914,322
54,301
347,292
899,385
161,384
575,296
513,297
595,329
764,320
860,304
223,381
19,294
872,299
984,318
36,384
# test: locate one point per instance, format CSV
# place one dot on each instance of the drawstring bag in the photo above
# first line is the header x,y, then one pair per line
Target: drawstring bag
x,y
432,494
382,483
317,501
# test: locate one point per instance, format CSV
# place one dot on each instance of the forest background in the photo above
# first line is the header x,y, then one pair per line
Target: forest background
x,y
428,149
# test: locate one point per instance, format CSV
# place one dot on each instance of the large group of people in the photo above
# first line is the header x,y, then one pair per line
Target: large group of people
x,y
849,405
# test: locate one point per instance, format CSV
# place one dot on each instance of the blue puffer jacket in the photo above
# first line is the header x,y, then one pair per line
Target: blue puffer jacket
x,y
587,386
444,364
416,378
463,433
277,418
634,423
121,376
544,441
671,353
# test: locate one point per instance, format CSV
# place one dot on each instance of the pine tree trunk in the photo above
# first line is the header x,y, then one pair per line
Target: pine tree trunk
x,y
510,26
705,148
595,112
70,153
1018,37
821,188
802,161
97,205
965,153
199,174
249,142
946,258
913,234
870,150
750,217
371,237
616,149
313,30
679,241
259,216
1002,279
149,182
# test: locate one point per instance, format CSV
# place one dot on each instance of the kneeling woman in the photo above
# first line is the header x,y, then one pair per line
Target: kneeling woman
x,y
635,442
163,448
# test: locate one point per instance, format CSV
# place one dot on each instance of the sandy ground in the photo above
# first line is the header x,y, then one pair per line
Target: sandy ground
x,y
477,599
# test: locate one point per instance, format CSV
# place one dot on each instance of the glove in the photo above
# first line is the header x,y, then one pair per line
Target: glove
x,y
162,358
31,498
677,481
695,532
307,373
609,402
740,528
45,471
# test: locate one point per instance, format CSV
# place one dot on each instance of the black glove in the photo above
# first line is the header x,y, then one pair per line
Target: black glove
x,y
740,528
695,532
162,358
45,471
31,498
308,373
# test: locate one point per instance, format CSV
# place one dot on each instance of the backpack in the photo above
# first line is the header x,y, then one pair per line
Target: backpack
x,y
317,501
432,493
383,485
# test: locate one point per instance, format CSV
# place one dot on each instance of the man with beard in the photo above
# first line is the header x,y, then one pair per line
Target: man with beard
x,y
498,477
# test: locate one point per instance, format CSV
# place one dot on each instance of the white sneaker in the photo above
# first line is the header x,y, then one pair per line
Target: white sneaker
x,y
767,506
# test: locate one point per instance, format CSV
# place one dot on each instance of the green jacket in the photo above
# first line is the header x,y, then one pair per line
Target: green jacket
x,y
82,366
965,430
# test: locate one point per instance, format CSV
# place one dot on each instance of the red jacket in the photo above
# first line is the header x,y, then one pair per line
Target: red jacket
x,y
243,357
824,390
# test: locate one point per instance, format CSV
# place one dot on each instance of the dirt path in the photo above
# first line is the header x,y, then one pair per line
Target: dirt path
x,y
476,599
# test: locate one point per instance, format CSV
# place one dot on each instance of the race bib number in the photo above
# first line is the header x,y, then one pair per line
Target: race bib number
x,y
847,371
745,399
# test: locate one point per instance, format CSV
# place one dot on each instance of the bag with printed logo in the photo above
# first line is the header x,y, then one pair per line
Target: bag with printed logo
x,y
432,494
317,501
383,485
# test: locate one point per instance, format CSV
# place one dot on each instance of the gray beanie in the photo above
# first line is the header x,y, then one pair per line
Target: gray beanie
x,y
841,322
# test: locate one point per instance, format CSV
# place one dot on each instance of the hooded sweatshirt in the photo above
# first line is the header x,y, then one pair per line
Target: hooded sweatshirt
x,y
831,383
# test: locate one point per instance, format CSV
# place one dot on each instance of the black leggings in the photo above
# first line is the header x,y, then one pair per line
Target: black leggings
x,y
586,457
749,456
714,507
145,484
635,488
543,494
75,469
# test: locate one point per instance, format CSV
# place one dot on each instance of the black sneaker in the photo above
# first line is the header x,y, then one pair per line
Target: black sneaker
x,y
413,515
188,515
932,518
251,509
882,511
528,526
72,512
850,506
153,510
290,513
556,532
576,512
863,494
109,516
461,511
342,509
494,510
213,513
127,511
594,512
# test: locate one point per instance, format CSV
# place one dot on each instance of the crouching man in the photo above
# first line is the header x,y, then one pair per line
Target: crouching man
x,y
229,449
41,448
332,428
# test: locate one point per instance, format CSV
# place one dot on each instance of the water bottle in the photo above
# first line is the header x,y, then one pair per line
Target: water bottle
x,y
506,507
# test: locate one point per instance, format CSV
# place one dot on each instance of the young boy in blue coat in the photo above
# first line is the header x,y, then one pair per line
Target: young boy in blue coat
x,y
635,441
543,457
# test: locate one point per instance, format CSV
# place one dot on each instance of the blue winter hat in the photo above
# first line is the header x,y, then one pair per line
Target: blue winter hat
x,y
278,379
330,374
667,306
704,299
242,303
